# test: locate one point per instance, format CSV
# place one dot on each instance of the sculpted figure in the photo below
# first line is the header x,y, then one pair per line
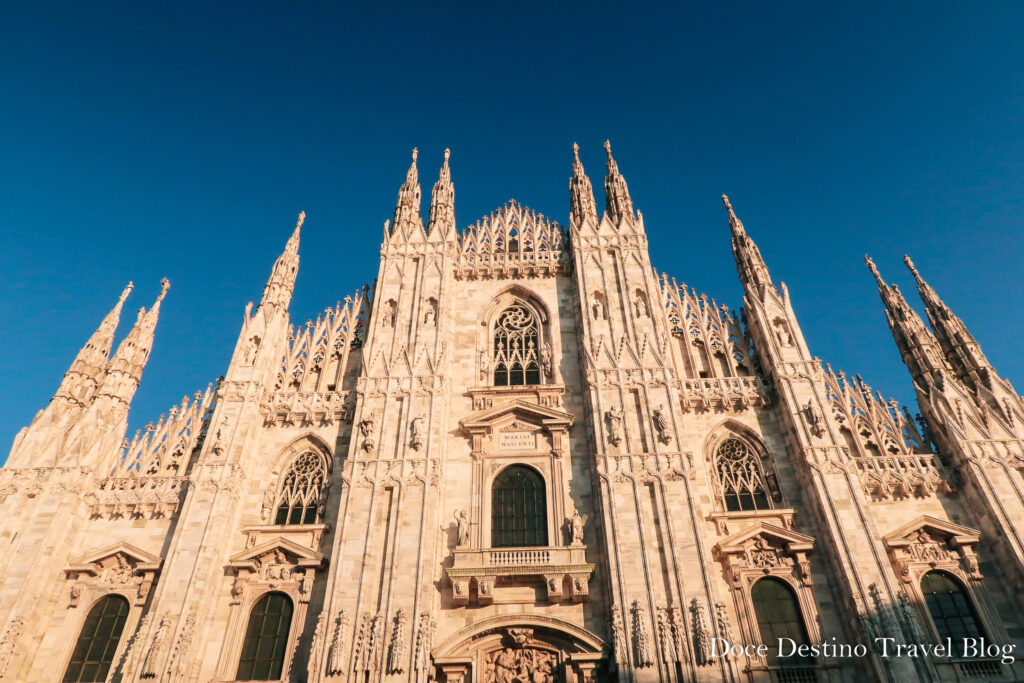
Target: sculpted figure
x,y
661,423
545,361
483,365
576,523
614,417
417,432
462,523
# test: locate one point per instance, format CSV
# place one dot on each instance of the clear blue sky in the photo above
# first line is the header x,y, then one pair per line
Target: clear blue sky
x,y
144,140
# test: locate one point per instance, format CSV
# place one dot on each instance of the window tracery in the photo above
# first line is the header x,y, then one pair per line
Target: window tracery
x,y
301,490
739,474
518,508
266,638
98,640
516,348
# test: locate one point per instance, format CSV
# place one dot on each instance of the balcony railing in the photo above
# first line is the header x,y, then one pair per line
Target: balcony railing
x,y
476,572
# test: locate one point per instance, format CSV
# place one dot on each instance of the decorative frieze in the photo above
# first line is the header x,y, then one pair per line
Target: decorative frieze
x,y
151,497
642,654
721,393
336,656
306,409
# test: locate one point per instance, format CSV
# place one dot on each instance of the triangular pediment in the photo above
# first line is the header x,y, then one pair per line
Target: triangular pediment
x,y
775,535
303,556
136,556
528,414
958,534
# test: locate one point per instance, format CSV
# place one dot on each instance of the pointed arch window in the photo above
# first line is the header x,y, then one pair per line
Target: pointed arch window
x,y
740,476
98,640
950,608
516,347
518,508
301,488
778,616
266,638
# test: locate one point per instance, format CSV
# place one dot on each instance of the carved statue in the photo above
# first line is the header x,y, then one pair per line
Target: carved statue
x,y
661,424
576,523
151,664
814,418
614,417
366,426
237,588
251,349
462,523
429,315
484,365
76,593
417,433
641,306
598,309
545,361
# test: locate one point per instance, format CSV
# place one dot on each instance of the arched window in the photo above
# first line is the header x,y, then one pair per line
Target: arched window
x,y
97,643
516,348
266,638
949,606
519,515
778,616
739,474
300,490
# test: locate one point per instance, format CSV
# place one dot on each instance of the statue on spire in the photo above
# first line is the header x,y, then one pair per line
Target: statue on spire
x,y
442,201
407,208
581,193
751,267
618,203
278,292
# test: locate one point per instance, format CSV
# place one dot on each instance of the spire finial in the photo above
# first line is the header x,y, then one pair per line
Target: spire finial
x,y
734,222
127,290
913,270
447,153
608,149
165,284
415,153
576,152
874,270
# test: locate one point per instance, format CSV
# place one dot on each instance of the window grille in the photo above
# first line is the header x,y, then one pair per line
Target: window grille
x,y
739,474
98,640
516,348
949,607
266,639
778,616
518,508
300,490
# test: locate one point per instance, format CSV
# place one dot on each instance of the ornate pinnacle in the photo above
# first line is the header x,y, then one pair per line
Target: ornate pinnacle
x,y
617,200
874,270
442,200
734,222
581,192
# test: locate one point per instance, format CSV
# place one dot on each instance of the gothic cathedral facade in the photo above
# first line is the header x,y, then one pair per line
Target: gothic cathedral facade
x,y
522,455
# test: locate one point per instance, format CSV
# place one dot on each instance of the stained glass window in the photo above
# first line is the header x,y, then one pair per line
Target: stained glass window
x,y
518,508
949,607
266,639
740,476
301,489
97,642
516,348
778,616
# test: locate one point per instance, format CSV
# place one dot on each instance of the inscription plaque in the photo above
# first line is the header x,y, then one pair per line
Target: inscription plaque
x,y
517,441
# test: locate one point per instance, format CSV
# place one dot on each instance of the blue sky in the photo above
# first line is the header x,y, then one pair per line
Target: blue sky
x,y
144,140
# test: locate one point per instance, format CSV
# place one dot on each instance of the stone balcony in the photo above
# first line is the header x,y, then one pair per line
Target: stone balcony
x,y
564,571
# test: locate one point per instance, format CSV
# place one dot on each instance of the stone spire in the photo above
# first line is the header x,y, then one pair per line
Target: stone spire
x,y
40,443
125,369
407,209
918,347
442,201
86,372
959,346
616,194
581,193
278,292
94,439
751,267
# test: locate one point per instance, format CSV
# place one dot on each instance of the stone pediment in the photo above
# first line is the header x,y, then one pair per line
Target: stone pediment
x,y
517,416
94,562
303,556
516,411
956,534
791,540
